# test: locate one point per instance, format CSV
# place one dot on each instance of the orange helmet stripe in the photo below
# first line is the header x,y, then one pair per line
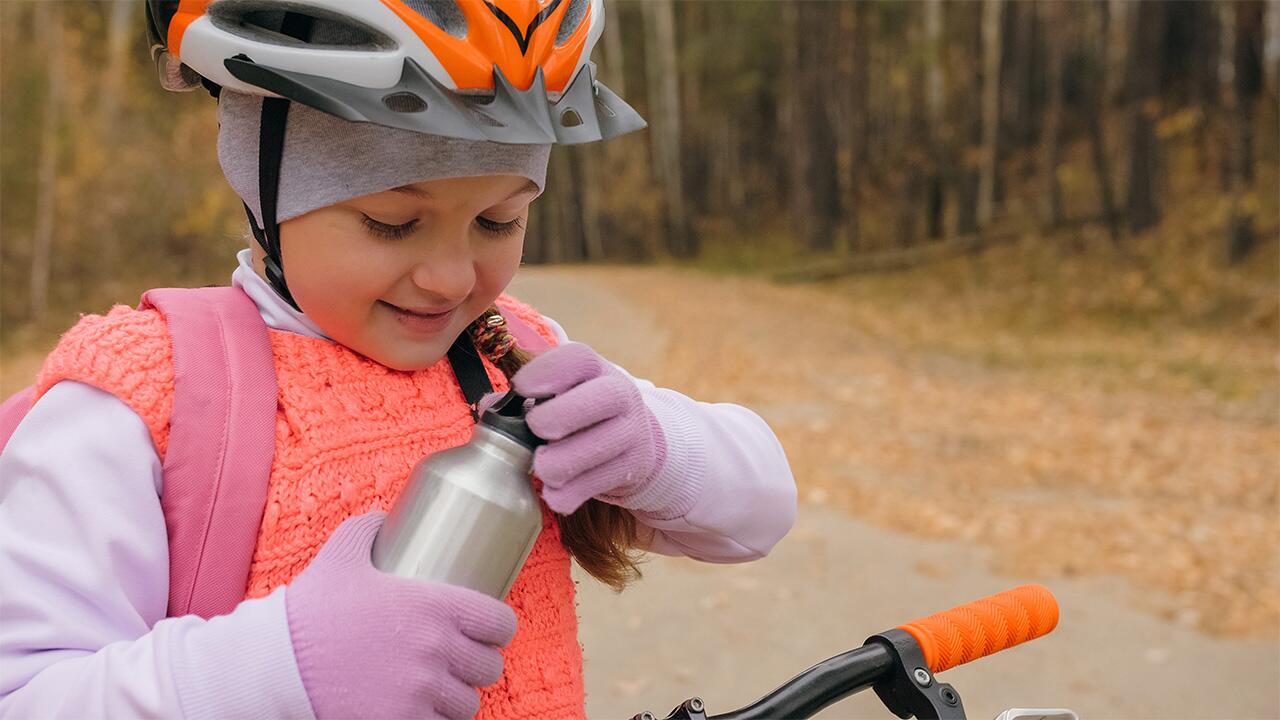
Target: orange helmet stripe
x,y
188,12
490,41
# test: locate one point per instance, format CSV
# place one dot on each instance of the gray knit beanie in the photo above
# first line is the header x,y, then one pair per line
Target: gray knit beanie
x,y
327,160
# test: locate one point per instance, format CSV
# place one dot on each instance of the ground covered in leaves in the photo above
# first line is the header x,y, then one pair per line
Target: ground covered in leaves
x,y
1152,453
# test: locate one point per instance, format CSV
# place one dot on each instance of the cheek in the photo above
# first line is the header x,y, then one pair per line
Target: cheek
x,y
496,265
329,287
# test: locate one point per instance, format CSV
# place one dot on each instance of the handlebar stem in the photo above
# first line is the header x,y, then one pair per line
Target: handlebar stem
x,y
908,688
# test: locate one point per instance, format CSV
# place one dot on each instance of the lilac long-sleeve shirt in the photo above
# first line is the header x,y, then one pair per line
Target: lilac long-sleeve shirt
x,y
84,568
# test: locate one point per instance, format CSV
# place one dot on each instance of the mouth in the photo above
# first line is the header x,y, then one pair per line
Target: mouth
x,y
423,321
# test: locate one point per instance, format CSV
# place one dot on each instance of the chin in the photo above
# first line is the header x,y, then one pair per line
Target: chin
x,y
411,356
409,362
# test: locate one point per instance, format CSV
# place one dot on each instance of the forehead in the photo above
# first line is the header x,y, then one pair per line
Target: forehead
x,y
508,186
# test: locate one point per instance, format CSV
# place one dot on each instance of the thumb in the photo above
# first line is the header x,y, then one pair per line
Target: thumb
x,y
487,402
353,540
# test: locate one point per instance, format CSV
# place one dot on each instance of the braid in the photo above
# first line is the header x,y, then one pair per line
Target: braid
x,y
600,536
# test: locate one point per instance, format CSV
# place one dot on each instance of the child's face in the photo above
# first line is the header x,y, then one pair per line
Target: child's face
x,y
398,275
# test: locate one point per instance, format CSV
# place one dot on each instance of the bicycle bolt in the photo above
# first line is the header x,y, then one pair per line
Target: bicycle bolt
x,y
646,715
949,696
695,704
922,677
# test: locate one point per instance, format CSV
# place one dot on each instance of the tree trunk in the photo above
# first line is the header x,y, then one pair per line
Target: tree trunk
x,y
1055,21
588,192
614,62
49,22
1226,82
843,108
938,129
1120,14
791,121
991,46
818,20
969,158
111,88
1241,99
858,122
1017,82
1271,53
1099,15
1142,93
664,116
911,200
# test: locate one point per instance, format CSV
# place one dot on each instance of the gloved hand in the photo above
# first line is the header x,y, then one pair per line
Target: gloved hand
x,y
370,644
602,441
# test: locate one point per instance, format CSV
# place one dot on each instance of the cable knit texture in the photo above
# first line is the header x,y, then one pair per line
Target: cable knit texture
x,y
348,431
127,353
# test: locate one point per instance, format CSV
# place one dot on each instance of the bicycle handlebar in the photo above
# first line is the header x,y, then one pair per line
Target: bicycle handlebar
x,y
892,662
976,629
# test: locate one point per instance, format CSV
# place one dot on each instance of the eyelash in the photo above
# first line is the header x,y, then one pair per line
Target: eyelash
x,y
396,232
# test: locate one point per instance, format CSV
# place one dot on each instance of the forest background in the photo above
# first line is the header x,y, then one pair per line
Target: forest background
x,y
1084,193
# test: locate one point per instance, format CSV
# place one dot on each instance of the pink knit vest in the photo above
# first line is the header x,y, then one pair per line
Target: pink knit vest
x,y
348,431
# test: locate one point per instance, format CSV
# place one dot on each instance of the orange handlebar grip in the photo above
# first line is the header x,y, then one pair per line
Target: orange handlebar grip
x,y
973,630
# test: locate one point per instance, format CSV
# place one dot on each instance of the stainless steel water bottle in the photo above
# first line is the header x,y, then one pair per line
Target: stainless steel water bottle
x,y
468,515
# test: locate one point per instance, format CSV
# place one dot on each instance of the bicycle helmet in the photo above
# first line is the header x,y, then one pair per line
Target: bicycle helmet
x,y
507,71
511,71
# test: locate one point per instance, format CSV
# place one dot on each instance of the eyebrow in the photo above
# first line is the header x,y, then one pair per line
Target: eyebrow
x,y
529,186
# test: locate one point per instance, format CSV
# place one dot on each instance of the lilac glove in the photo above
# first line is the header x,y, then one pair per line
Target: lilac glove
x,y
370,644
602,440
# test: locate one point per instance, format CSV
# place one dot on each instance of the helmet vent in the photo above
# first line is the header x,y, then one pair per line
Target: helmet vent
x,y
572,19
260,21
444,14
570,118
404,102
486,118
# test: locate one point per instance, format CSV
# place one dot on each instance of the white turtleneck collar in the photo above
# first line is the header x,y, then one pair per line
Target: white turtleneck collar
x,y
276,313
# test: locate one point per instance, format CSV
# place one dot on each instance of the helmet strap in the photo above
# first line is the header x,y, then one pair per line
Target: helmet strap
x,y
275,117
271,129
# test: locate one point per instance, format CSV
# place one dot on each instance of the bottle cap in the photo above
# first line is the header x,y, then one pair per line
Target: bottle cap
x,y
507,417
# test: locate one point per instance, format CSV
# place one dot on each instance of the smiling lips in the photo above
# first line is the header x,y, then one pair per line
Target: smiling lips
x,y
424,320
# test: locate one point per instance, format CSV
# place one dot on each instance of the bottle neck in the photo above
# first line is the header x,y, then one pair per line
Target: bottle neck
x,y
500,446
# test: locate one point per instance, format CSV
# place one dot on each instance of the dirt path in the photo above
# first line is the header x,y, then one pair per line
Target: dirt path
x,y
1151,518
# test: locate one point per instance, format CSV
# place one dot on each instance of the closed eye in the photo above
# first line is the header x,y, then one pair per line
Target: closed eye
x,y
386,231
501,229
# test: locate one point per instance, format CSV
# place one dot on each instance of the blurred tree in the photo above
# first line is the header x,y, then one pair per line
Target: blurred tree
x,y
665,120
915,144
1142,97
122,27
991,44
969,109
1057,20
939,129
49,29
1098,108
1241,95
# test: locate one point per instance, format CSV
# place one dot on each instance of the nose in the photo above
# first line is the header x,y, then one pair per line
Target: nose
x,y
445,268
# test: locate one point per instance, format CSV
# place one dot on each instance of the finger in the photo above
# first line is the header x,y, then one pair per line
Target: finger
x,y
593,401
483,618
457,700
475,664
600,482
557,462
353,539
487,402
557,370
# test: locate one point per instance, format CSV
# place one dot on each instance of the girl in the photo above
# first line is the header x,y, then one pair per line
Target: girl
x,y
385,221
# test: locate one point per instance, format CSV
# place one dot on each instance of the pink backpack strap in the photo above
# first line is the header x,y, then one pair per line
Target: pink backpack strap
x,y
221,444
13,410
